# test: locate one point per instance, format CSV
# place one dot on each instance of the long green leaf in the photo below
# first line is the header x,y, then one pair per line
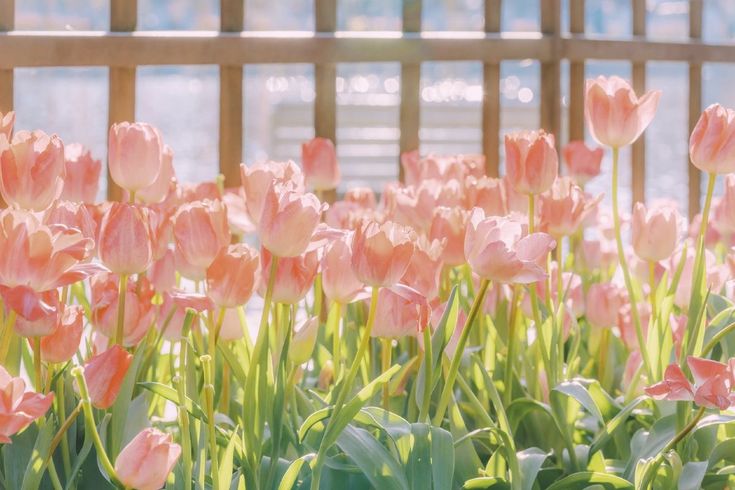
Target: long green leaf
x,y
586,479
375,462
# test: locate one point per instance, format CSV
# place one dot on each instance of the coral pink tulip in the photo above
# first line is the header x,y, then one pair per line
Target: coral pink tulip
x,y
18,408
62,344
104,374
139,309
233,275
237,211
339,282
7,121
201,231
486,193
362,196
674,387
294,276
72,215
724,211
39,314
615,115
450,224
713,383
424,269
381,253
655,231
82,180
564,207
582,163
31,169
319,160
162,273
288,221
134,155
531,161
712,143
497,249
603,304
125,239
257,179
159,189
147,460
401,312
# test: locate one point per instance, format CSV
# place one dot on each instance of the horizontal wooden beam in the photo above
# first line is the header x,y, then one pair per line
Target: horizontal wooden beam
x,y
639,49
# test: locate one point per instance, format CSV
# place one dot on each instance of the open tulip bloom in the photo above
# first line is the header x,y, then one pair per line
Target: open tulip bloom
x,y
452,330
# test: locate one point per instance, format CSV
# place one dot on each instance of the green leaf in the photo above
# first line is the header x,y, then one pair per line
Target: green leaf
x,y
585,479
487,482
724,451
122,404
692,475
521,407
225,462
442,456
375,462
576,390
292,473
609,429
660,434
530,461
170,394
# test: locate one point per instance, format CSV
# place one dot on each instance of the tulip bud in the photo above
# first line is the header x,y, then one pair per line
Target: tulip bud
x,y
62,344
304,340
233,275
104,374
125,240
531,161
147,460
319,160
82,180
134,155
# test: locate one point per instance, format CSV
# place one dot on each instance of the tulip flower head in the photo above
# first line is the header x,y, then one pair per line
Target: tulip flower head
x,y
147,460
82,180
583,163
655,231
104,375
381,253
319,161
18,408
531,161
134,155
712,142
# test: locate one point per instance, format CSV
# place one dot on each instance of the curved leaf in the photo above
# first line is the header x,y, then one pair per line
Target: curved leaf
x,y
585,479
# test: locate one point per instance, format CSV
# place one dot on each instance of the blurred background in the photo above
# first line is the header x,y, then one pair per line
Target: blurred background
x,y
183,101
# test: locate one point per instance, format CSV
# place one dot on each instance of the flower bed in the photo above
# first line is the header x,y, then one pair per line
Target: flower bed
x,y
462,331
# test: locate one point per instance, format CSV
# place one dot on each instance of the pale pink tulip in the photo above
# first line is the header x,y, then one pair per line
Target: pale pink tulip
x,y
362,196
18,408
674,387
82,180
339,282
74,215
7,121
487,193
104,375
288,221
125,239
257,179
233,275
655,231
424,269
319,161
401,312
582,163
201,231
564,207
134,155
615,115
62,344
39,314
603,304
450,224
531,161
712,143
147,460
162,273
139,308
294,276
381,253
712,383
159,189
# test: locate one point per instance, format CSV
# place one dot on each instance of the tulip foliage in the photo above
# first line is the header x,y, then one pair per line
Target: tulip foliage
x,y
456,331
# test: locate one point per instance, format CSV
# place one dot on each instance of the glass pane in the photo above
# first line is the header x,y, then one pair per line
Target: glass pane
x,y
609,18
668,19
521,15
719,21
62,15
519,96
283,15
160,15
453,15
376,15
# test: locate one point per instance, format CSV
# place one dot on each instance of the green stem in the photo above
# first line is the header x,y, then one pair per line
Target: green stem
x,y
180,385
716,338
428,371
446,393
624,267
61,395
604,347
121,294
333,319
38,375
385,358
7,336
60,437
508,380
206,361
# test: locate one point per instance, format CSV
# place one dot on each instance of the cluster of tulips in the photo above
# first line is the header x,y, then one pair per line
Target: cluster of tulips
x,y
459,331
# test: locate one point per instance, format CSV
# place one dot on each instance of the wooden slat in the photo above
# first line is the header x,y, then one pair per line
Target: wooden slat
x,y
325,84
410,86
123,17
550,70
695,103
638,155
491,95
576,75
7,23
232,18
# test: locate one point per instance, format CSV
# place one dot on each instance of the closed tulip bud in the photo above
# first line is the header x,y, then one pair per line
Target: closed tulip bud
x,y
582,163
125,240
31,169
486,193
712,143
7,121
62,344
19,408
294,276
134,155
288,221
233,276
304,340
603,305
531,161
104,375
655,231
82,180
381,252
564,207
450,224
147,460
615,115
159,189
724,210
257,179
319,160
339,282
201,231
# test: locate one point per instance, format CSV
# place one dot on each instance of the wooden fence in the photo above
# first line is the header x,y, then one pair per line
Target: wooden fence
x,y
123,49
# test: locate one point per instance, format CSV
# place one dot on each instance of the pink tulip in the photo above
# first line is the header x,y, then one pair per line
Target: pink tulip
x,y
564,207
625,322
159,189
233,275
82,180
294,276
18,408
339,282
598,254
674,387
724,211
139,308
362,196
231,328
450,224
401,312
125,239
288,221
134,155
615,115
381,253
531,161
162,273
237,212
411,163
603,304
7,121
31,169
319,160
104,374
713,383
62,344
161,226
257,179
147,460
497,249
712,143
74,215
201,231
582,163
39,314
655,231
424,269
172,312
486,193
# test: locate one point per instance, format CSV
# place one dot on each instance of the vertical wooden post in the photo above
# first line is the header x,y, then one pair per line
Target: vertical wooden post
x,y
325,82
7,23
576,75
695,102
232,17
638,157
410,86
550,72
491,95
123,18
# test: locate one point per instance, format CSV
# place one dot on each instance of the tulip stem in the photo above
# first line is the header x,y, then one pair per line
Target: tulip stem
x,y
121,294
333,320
211,424
428,372
604,347
652,286
60,437
7,336
385,358
508,380
345,387
38,375
61,400
624,267
446,393
90,425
